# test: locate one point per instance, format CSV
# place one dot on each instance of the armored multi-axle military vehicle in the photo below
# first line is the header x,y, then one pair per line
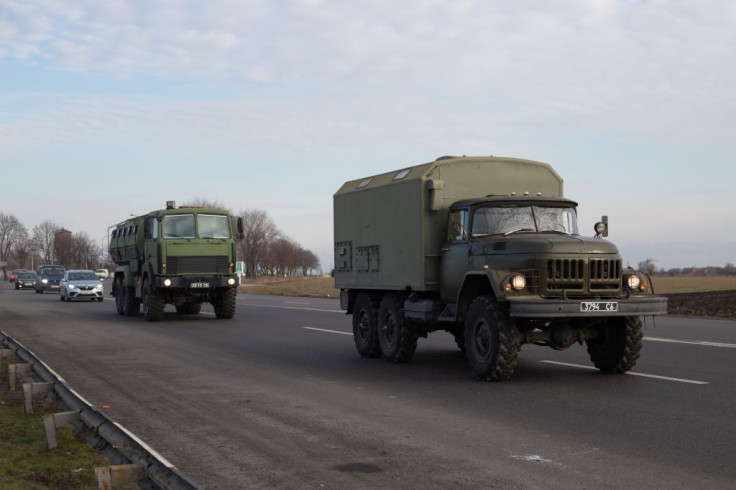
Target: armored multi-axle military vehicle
x,y
489,250
181,256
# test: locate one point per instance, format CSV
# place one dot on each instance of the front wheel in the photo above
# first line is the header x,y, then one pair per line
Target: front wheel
x,y
397,336
224,304
617,344
153,303
491,341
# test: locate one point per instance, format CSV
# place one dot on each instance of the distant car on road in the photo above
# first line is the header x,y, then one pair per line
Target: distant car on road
x,y
48,277
102,273
80,284
25,279
14,274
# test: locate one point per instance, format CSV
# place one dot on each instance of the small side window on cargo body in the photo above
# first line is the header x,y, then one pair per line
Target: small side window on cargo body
x,y
402,174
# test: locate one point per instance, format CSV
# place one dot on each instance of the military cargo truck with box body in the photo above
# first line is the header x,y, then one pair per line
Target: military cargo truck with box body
x,y
181,256
488,249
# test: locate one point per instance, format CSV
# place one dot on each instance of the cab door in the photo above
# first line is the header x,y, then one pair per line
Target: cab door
x,y
455,255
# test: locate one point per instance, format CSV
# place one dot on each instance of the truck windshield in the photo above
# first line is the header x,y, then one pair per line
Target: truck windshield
x,y
178,226
213,226
499,220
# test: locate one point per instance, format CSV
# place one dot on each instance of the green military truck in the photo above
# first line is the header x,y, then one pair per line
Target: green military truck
x,y
488,249
180,256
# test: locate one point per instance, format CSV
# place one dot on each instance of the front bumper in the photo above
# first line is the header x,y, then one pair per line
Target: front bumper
x,y
536,307
85,294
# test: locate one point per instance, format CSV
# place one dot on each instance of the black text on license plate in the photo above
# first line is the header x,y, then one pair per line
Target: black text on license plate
x,y
199,285
602,306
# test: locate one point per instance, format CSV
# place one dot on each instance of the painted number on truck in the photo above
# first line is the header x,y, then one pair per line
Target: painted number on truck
x,y
599,306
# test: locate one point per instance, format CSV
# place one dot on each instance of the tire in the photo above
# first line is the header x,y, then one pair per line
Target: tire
x,y
100,299
224,303
61,296
617,345
189,308
365,330
131,305
16,286
397,336
153,303
67,298
117,289
459,334
491,340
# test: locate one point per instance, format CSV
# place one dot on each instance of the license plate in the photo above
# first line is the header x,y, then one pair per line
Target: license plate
x,y
199,285
602,306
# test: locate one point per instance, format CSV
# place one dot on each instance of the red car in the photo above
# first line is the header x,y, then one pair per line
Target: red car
x,y
14,274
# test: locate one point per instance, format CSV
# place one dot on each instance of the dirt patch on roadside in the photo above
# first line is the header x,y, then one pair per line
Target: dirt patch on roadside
x,y
719,304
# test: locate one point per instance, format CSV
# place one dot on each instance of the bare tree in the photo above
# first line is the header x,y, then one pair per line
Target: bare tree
x,y
44,235
201,202
11,230
23,250
308,261
258,232
83,252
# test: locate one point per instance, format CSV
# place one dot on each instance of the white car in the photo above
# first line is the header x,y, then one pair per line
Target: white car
x,y
80,284
102,273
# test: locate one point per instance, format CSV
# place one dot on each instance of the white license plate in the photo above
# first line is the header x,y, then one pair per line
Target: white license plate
x,y
602,306
199,285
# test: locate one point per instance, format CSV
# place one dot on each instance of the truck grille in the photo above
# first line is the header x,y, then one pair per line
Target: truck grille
x,y
198,265
583,275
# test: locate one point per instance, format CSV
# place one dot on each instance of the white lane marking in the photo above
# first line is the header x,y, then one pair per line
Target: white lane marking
x,y
294,308
654,376
296,303
330,331
692,342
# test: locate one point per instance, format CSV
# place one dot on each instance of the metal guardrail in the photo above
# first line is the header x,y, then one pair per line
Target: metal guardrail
x,y
112,439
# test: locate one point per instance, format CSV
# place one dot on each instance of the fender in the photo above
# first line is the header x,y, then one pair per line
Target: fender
x,y
475,283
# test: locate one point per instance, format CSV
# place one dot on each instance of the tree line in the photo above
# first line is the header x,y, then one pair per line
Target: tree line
x,y
264,248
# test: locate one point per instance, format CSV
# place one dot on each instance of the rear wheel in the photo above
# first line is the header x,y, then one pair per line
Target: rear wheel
x,y
224,304
491,340
153,303
365,331
397,336
131,304
617,344
117,290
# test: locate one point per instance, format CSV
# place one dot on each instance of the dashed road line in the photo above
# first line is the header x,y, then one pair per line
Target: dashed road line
x,y
653,376
692,342
325,330
294,308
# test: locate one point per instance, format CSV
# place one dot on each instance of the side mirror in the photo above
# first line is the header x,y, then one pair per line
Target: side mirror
x,y
601,228
240,227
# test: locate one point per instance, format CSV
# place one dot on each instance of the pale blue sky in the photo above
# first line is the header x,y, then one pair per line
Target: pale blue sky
x,y
112,108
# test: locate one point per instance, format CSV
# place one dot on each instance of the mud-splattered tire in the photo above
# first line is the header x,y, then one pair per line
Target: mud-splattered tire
x,y
397,336
153,303
224,304
617,345
491,340
365,331
131,304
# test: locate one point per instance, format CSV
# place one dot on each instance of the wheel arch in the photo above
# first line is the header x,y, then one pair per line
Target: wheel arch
x,y
475,284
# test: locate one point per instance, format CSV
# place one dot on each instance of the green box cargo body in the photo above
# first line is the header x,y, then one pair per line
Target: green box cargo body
x,y
389,228
488,249
181,256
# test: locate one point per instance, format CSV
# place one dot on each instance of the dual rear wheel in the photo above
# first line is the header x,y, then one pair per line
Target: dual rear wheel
x,y
380,329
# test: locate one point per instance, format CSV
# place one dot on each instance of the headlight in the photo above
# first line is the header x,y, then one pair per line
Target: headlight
x,y
167,282
517,282
99,286
231,281
72,286
633,281
44,281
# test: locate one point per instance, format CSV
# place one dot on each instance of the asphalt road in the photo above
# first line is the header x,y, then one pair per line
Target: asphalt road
x,y
278,397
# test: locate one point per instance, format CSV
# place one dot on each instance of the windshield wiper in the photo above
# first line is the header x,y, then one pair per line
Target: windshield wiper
x,y
519,230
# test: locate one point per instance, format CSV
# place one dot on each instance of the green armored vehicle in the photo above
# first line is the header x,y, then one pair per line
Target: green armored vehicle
x,y
181,256
488,249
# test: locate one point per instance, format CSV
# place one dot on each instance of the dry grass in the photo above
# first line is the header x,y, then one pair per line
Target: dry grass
x,y
321,287
691,284
324,287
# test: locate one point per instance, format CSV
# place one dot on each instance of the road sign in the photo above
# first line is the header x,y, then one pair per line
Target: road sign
x,y
3,263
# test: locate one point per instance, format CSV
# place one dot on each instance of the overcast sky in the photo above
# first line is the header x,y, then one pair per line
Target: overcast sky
x,y
110,108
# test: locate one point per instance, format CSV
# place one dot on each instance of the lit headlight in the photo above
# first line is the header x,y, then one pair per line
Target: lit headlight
x,y
633,281
518,282
44,281
167,282
99,286
72,286
231,281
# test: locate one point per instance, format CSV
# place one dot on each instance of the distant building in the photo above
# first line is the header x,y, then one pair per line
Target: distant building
x,y
62,245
